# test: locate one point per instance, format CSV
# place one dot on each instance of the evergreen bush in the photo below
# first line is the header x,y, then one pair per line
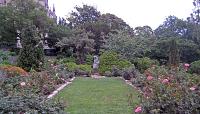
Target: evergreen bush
x,y
195,67
31,55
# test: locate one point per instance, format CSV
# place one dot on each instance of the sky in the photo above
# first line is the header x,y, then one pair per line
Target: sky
x,y
133,12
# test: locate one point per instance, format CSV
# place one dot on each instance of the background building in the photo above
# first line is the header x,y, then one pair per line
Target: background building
x,y
45,3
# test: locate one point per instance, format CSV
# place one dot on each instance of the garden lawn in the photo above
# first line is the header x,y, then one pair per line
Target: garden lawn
x,y
99,96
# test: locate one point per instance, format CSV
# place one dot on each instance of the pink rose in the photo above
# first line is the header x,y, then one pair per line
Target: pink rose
x,y
192,88
149,77
165,81
138,109
22,83
186,66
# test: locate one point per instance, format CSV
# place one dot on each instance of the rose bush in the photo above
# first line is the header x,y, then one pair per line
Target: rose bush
x,y
19,95
169,91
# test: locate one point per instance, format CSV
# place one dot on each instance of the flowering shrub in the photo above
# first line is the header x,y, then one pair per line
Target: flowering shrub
x,y
29,105
13,70
170,92
58,70
17,95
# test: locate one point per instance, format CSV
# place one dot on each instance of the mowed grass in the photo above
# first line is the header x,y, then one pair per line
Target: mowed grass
x,y
99,96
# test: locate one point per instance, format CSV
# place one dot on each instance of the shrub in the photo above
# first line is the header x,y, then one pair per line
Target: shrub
x,y
12,54
17,96
169,92
5,62
85,67
144,63
13,70
29,104
108,74
129,73
32,54
116,72
68,59
89,59
58,72
71,66
4,55
195,67
108,60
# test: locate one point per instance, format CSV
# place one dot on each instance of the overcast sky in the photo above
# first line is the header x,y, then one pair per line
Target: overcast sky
x,y
133,12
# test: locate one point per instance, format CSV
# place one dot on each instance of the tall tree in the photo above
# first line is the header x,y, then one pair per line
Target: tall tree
x,y
115,23
79,42
174,57
195,19
172,27
18,14
83,15
99,32
144,32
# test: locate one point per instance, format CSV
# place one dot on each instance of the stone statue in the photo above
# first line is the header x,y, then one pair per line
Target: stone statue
x,y
96,63
19,45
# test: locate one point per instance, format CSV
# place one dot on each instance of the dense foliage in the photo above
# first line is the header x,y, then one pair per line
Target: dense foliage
x,y
129,46
144,63
87,32
195,67
109,60
19,95
31,55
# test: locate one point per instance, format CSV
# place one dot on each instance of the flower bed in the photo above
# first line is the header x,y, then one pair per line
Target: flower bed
x,y
167,91
31,90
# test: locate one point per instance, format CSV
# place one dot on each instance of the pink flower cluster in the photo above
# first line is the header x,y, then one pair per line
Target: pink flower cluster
x,y
165,81
149,76
138,109
192,88
186,66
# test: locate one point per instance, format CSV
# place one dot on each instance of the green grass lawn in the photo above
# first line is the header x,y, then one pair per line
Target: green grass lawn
x,y
99,96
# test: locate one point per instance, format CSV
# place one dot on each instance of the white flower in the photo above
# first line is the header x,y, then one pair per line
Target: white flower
x,y
22,83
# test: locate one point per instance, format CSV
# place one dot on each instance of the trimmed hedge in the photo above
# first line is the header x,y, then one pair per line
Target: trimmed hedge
x,y
108,60
71,66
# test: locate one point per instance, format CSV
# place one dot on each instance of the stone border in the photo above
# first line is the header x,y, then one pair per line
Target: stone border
x,y
128,82
97,76
60,88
